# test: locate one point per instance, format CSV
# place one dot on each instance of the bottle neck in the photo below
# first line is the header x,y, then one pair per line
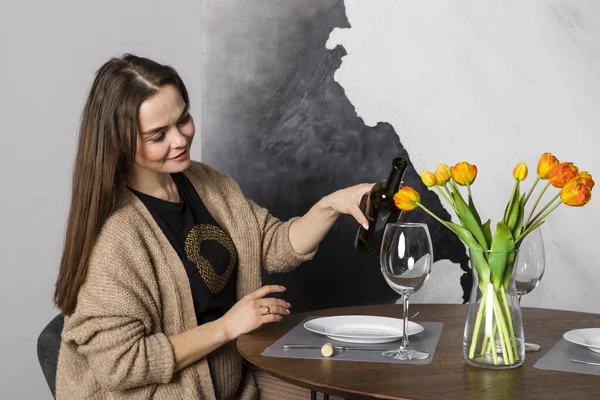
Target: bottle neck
x,y
396,174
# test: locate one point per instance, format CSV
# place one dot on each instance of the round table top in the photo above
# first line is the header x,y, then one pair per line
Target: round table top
x,y
448,376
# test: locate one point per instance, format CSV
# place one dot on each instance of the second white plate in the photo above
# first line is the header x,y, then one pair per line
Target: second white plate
x,y
361,328
589,337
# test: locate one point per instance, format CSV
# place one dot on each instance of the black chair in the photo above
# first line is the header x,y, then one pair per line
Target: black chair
x,y
48,345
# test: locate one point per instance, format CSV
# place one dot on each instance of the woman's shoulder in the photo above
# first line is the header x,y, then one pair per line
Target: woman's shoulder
x,y
205,171
213,180
126,224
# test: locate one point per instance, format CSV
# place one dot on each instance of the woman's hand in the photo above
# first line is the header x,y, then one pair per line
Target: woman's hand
x,y
254,310
307,231
347,201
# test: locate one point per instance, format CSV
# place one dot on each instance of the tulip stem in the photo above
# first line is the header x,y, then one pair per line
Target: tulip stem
x,y
469,190
441,221
448,191
478,320
531,190
511,328
536,218
536,203
528,231
447,199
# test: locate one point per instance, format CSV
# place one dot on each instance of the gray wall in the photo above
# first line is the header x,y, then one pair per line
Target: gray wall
x,y
49,53
276,120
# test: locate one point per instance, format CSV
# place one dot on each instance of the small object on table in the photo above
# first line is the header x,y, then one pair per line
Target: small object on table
x,y
327,350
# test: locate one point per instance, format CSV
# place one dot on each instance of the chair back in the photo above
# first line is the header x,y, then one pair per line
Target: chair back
x,y
48,345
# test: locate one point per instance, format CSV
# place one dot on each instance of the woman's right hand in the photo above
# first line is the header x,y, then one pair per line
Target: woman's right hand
x,y
254,310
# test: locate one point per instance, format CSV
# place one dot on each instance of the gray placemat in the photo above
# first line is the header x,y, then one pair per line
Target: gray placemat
x,y
424,341
559,359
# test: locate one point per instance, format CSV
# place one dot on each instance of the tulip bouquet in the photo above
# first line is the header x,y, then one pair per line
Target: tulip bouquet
x,y
493,255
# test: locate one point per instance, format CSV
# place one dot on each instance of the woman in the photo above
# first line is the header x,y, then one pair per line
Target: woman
x,y
162,259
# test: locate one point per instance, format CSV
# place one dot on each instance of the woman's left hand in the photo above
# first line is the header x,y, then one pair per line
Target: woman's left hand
x,y
347,201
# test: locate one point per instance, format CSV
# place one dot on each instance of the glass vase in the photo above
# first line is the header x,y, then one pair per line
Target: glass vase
x,y
493,336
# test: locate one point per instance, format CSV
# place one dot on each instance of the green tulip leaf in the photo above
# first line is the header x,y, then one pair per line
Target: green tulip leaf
x,y
479,261
468,219
487,230
518,228
515,206
501,249
474,210
510,204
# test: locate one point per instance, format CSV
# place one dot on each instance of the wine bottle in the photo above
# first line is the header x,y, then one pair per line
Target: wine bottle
x,y
379,208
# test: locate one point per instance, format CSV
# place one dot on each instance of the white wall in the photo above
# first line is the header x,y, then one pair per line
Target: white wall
x,y
49,53
492,82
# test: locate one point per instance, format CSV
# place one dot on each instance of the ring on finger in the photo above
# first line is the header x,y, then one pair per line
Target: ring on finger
x,y
267,310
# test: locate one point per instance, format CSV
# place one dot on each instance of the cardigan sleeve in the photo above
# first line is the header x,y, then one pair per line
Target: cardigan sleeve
x,y
116,323
277,252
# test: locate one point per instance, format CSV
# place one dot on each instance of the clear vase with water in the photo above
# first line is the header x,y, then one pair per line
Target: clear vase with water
x,y
493,335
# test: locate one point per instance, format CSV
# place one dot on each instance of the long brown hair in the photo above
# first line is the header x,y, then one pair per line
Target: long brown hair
x,y
104,160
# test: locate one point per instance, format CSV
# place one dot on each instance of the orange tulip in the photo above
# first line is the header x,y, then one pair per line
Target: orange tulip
x,y
562,173
586,178
520,171
546,165
429,179
464,173
575,194
407,198
442,173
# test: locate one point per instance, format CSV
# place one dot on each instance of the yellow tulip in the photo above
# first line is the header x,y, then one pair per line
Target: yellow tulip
x,y
442,173
586,178
575,194
562,173
428,178
464,173
546,164
407,198
520,171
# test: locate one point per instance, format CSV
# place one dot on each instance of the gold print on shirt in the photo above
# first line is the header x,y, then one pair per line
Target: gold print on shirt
x,y
199,233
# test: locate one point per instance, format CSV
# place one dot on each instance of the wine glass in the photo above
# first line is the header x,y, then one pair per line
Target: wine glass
x,y
530,269
406,258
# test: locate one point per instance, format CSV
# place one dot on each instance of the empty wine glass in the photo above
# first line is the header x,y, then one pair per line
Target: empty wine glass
x,y
530,269
406,258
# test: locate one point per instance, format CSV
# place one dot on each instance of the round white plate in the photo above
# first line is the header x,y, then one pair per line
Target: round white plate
x,y
589,337
361,328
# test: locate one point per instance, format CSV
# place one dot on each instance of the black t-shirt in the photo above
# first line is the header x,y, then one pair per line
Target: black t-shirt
x,y
206,250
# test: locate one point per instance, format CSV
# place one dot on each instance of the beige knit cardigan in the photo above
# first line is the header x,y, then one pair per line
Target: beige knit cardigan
x,y
136,293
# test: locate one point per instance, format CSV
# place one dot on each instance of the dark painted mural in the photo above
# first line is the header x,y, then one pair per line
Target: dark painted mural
x,y
274,118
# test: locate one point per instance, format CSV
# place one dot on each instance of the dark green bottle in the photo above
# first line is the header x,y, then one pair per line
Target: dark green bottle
x,y
379,208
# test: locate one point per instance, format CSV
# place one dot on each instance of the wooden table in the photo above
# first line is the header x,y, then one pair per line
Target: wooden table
x,y
447,377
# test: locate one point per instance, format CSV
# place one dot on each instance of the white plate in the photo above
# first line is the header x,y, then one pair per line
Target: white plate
x,y
589,338
361,328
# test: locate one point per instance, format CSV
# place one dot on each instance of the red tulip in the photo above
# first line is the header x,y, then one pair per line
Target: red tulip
x,y
562,173
575,194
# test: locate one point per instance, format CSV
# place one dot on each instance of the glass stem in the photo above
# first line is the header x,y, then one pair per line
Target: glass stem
x,y
405,325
